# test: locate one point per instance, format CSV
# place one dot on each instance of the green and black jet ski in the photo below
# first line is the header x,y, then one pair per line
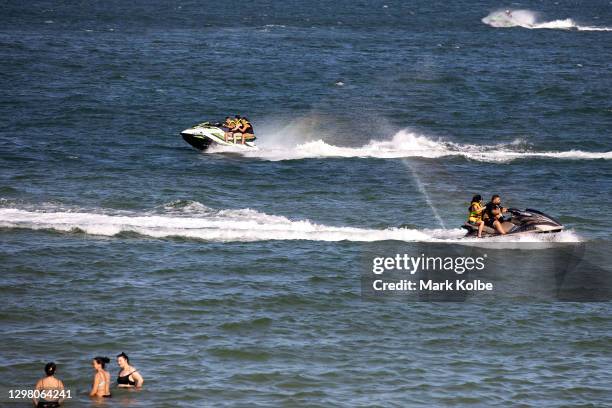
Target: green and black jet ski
x,y
206,134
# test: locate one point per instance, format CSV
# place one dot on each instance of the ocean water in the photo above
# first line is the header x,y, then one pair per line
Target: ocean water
x,y
232,278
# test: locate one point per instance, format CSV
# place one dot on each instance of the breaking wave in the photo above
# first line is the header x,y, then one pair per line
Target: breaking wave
x,y
529,19
404,144
192,220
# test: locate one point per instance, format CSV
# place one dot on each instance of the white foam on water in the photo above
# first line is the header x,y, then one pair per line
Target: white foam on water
x,y
404,144
593,28
529,19
196,221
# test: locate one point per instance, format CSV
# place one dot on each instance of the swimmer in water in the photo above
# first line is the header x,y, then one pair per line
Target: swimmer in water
x,y
508,13
128,377
101,382
49,383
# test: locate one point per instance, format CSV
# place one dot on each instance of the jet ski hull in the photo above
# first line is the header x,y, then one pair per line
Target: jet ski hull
x,y
199,142
522,222
204,135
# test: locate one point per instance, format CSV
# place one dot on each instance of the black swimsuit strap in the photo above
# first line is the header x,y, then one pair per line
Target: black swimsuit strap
x,y
127,375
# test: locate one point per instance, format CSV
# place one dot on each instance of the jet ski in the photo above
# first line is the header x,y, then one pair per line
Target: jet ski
x,y
519,222
203,135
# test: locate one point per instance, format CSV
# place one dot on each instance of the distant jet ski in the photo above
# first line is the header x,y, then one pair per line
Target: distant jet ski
x,y
205,134
521,222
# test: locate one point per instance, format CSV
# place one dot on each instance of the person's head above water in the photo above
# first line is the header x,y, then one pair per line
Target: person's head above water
x,y
477,198
50,369
100,362
123,360
496,199
237,116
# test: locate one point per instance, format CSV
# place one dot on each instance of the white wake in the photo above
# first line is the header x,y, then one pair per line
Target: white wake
x,y
529,19
195,221
405,144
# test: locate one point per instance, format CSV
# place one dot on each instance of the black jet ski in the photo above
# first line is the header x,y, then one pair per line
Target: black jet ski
x,y
519,222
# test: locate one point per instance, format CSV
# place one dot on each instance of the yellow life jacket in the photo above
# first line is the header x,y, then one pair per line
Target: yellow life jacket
x,y
475,212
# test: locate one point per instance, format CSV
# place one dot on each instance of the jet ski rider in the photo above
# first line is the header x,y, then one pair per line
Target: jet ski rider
x,y
493,214
246,128
228,125
476,210
239,126
234,126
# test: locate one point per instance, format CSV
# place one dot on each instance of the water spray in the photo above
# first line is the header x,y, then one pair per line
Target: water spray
x,y
423,191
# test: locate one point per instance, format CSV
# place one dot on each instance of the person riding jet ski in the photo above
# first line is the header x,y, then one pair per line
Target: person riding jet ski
x,y
476,212
229,125
246,129
493,214
239,127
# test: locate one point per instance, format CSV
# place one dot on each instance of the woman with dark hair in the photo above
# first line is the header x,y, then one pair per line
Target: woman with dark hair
x,y
476,210
247,130
128,376
49,384
101,381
